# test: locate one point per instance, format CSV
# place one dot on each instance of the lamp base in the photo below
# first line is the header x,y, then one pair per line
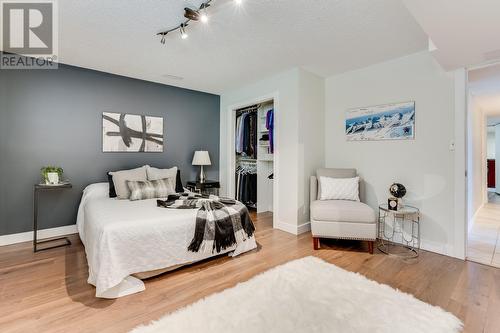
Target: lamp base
x,y
202,178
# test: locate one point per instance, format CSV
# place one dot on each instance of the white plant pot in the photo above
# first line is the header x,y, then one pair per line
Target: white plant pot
x,y
52,178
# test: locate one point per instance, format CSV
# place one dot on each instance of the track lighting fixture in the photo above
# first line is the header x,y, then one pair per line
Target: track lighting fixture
x,y
190,14
182,29
203,14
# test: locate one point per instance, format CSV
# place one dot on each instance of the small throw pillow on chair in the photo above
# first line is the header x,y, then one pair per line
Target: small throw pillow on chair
x,y
339,188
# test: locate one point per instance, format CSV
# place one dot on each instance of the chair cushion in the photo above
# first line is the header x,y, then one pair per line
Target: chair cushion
x,y
342,211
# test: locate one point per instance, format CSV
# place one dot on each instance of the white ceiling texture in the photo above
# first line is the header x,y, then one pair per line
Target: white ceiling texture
x,y
240,43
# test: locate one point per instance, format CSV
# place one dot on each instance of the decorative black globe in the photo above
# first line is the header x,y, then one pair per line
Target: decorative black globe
x,y
397,190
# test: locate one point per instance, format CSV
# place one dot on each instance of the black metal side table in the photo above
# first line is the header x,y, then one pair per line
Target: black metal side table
x,y
207,187
36,191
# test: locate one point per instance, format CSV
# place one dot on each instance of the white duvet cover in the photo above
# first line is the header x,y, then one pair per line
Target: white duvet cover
x,y
123,237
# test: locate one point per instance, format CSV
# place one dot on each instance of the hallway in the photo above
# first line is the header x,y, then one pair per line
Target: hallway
x,y
484,237
493,198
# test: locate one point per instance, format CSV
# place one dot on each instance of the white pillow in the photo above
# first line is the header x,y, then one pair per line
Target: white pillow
x,y
157,174
339,188
120,180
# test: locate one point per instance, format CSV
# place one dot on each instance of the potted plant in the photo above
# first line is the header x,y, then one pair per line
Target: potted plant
x,y
51,174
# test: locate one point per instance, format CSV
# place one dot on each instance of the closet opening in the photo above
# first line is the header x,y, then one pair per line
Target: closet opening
x,y
253,152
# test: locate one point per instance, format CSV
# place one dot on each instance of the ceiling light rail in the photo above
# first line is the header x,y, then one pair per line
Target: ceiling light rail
x,y
190,14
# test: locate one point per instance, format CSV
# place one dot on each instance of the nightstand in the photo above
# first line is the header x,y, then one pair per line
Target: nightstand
x,y
207,187
36,192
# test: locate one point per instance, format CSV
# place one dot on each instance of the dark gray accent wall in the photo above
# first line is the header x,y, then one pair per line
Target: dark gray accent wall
x,y
53,117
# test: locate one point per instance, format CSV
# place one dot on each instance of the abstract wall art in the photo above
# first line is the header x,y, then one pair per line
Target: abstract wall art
x,y
131,133
381,122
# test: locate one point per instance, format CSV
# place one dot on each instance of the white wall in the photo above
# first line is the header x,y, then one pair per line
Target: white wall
x,y
424,165
490,145
476,158
299,140
311,136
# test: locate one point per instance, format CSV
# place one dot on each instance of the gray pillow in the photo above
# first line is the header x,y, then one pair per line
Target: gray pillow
x,y
120,180
149,189
155,173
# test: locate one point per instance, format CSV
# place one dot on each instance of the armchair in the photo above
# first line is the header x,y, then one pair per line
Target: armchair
x,y
341,219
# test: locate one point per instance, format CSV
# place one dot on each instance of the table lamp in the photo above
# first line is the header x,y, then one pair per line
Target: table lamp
x,y
201,158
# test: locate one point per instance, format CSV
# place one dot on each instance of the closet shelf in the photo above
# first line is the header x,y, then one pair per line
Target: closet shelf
x,y
266,159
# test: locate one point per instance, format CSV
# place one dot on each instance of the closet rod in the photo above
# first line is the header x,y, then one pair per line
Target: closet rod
x,y
248,109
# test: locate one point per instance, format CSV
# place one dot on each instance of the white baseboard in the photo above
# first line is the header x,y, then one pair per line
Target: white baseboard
x,y
470,223
304,227
44,233
292,228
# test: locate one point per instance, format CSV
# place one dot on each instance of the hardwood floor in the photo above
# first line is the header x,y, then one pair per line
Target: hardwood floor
x,y
483,244
48,292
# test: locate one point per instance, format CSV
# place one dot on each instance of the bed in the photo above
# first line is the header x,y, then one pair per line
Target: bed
x,y
128,240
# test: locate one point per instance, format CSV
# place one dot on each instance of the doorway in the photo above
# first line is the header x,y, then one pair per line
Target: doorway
x,y
253,151
483,165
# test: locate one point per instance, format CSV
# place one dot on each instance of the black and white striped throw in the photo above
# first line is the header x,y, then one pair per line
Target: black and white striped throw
x,y
218,226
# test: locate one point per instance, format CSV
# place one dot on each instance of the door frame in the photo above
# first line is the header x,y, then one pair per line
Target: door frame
x,y
231,169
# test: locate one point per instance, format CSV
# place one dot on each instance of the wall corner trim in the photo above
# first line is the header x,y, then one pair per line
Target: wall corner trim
x,y
44,233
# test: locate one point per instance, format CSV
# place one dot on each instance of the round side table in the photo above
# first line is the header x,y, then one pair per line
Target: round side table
x,y
399,231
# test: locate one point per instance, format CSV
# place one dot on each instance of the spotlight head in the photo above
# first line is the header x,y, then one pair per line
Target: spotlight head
x,y
184,34
191,14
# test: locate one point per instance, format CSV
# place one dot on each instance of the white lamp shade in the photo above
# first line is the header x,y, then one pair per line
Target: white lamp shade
x,y
201,157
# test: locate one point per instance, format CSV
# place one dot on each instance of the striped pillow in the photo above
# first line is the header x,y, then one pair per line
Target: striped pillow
x,y
161,188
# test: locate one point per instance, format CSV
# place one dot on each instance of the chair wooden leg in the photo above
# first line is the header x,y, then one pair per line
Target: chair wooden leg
x,y
370,246
316,243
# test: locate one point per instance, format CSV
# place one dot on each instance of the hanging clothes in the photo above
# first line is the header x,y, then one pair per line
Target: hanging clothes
x,y
248,189
246,185
270,127
238,134
246,134
240,130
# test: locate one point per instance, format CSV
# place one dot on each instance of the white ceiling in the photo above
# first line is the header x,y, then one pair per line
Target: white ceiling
x,y
465,32
484,84
240,44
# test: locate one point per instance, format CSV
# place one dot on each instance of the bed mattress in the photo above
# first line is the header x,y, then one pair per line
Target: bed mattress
x,y
123,238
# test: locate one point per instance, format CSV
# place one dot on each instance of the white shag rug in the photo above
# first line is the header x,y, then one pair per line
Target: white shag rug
x,y
308,295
